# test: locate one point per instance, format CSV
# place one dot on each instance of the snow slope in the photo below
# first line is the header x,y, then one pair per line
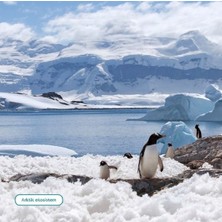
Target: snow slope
x,y
24,101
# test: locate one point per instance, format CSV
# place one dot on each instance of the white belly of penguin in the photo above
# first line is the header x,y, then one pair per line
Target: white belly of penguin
x,y
149,162
104,172
170,152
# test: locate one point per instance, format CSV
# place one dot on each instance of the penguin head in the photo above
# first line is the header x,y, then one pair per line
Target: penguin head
x,y
103,163
197,126
128,155
170,144
154,137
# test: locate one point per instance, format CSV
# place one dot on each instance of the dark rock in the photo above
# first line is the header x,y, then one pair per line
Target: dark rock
x,y
34,178
140,186
52,95
195,164
205,149
74,102
81,179
217,163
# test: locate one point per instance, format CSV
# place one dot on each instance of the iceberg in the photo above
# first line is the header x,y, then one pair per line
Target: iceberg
x,y
35,150
177,133
180,107
213,115
213,93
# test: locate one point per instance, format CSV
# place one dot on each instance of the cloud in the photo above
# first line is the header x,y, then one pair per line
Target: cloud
x,y
9,2
136,20
85,7
15,31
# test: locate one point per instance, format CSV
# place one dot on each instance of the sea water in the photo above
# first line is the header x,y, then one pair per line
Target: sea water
x,y
105,132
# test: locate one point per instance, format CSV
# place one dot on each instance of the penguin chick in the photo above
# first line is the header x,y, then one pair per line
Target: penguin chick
x,y
170,151
149,157
198,131
128,155
105,170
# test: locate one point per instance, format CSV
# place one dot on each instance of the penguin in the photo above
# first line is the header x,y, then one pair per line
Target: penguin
x,y
149,157
170,151
128,155
198,131
105,170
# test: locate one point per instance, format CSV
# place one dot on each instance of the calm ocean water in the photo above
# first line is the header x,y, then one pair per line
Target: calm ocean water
x,y
104,132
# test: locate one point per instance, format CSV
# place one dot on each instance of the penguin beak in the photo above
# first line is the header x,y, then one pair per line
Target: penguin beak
x,y
162,135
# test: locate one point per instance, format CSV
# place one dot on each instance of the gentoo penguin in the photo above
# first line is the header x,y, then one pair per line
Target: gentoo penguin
x,y
198,132
105,170
170,151
128,155
149,157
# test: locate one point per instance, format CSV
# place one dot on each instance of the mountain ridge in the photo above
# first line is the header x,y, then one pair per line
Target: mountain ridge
x,y
161,66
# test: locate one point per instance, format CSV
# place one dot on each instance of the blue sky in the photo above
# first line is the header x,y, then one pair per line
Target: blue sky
x,y
96,21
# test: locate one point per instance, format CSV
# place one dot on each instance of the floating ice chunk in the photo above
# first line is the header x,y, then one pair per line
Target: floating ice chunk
x,y
35,150
213,93
177,133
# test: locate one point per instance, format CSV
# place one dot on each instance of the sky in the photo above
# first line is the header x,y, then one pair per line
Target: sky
x,y
65,22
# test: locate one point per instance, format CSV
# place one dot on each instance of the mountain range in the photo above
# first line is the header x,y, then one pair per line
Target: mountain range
x,y
188,63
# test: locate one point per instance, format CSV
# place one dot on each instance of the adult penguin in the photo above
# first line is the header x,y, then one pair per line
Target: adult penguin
x,y
149,157
198,131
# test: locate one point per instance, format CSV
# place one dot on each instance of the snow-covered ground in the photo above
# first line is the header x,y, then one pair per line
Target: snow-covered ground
x,y
196,199
87,165
10,101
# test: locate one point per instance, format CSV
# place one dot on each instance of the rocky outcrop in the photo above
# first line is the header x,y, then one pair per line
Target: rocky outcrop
x,y
52,95
140,186
208,149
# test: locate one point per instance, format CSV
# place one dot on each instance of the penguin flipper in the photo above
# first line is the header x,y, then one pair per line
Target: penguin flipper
x,y
160,162
140,159
113,167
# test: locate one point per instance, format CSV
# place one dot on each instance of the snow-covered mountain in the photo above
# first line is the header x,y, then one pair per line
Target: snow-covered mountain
x,y
163,65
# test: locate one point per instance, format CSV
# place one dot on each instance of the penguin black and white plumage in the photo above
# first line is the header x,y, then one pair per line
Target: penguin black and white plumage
x,y
105,170
128,155
170,151
198,131
149,157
